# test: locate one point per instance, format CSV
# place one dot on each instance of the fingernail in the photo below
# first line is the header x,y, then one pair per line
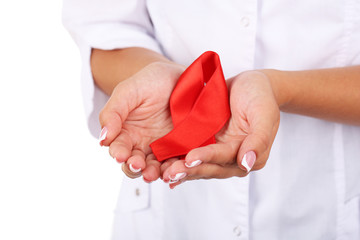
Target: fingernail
x,y
103,134
248,160
193,164
134,170
177,177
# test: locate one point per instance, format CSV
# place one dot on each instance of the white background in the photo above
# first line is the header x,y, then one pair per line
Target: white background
x,y
56,182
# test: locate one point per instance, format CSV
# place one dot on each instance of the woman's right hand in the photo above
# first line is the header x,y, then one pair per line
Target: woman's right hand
x,y
138,113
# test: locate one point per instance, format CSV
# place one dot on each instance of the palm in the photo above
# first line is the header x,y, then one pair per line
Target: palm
x,y
254,112
236,128
148,122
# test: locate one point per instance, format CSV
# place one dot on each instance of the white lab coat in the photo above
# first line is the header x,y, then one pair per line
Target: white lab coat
x,y
310,187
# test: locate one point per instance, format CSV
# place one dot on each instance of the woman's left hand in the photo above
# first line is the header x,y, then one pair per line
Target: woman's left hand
x,y
245,141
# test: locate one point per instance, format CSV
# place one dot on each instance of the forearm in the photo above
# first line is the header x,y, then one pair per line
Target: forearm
x,y
113,66
331,94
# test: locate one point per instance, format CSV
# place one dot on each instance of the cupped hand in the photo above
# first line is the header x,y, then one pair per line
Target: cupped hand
x,y
138,113
245,141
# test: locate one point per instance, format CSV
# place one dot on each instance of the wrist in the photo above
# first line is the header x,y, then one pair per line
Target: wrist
x,y
166,69
281,90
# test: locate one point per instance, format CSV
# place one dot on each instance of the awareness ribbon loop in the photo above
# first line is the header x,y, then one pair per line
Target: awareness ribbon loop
x,y
199,107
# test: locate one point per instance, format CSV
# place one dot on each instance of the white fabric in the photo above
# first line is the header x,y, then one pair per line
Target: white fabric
x,y
310,187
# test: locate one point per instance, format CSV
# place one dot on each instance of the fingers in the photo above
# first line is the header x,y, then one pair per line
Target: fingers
x,y
204,171
150,173
116,110
167,164
125,168
152,170
120,149
253,98
255,149
219,153
178,172
136,162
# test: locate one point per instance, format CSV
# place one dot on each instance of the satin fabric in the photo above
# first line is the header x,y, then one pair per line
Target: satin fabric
x,y
199,108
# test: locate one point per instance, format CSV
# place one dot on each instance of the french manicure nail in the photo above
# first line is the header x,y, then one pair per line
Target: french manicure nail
x,y
193,164
248,160
177,177
134,170
103,134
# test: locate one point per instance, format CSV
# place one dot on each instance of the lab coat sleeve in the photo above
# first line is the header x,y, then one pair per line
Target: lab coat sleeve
x,y
105,24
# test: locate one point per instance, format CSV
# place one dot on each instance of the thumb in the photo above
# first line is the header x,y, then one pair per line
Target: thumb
x,y
112,116
255,149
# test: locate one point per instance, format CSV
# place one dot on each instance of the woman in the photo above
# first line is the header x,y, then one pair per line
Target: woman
x,y
310,186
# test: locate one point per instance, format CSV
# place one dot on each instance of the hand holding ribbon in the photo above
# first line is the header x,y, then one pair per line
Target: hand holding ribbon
x,y
138,113
243,144
199,108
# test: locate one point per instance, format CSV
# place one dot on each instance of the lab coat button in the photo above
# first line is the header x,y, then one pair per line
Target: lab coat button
x,y
245,22
137,192
237,231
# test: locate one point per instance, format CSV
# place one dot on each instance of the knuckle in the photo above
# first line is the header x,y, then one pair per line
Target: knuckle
x,y
214,153
103,116
111,152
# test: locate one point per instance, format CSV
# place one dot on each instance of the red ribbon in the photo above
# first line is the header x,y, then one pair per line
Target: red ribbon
x,y
199,108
